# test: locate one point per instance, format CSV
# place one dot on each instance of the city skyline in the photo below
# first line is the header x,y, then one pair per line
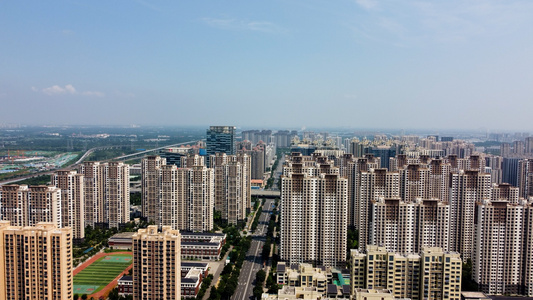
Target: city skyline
x,y
360,63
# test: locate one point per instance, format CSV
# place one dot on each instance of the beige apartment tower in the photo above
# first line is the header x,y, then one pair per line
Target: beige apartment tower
x,y
232,185
72,201
151,207
27,206
107,193
117,194
314,204
157,264
93,192
431,274
201,198
35,262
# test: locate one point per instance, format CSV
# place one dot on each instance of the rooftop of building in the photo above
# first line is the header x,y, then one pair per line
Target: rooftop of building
x,y
126,278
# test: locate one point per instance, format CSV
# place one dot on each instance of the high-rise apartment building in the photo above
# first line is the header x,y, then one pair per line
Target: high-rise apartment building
x,y
107,193
151,207
525,177
117,194
182,198
351,168
431,274
35,262
528,144
156,264
466,188
173,197
375,183
92,185
201,198
502,252
232,185
27,206
408,227
220,139
314,202
72,201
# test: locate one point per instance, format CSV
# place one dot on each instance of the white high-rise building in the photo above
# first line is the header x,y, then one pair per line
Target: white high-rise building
x,y
407,227
466,188
499,255
314,202
375,184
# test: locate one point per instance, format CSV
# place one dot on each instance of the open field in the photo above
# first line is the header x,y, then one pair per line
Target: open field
x,y
100,273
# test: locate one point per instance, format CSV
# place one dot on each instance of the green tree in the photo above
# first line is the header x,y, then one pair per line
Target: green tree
x,y
113,295
260,277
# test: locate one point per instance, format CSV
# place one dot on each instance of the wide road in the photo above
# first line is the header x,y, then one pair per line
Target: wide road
x,y
277,173
253,262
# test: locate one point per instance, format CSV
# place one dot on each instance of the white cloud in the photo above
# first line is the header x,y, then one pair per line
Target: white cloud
x,y
68,89
414,22
233,24
367,4
57,90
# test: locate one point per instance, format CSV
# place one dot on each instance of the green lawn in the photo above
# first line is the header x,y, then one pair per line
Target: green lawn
x,y
100,273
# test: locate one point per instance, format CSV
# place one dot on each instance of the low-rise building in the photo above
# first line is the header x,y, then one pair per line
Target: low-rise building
x,y
122,240
125,285
190,284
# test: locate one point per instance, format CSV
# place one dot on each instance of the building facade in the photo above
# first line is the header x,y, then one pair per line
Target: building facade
x,y
431,274
314,203
35,262
27,206
220,139
72,201
156,264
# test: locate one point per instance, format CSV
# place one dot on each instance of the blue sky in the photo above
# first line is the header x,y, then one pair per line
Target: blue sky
x,y
359,63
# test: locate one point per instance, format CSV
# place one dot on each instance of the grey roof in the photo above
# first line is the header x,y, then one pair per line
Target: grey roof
x,y
199,244
332,289
281,268
193,264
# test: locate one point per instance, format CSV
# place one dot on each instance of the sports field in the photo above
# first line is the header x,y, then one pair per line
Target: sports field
x,y
100,273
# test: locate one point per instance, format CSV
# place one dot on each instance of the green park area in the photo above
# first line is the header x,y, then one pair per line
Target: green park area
x,y
100,273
